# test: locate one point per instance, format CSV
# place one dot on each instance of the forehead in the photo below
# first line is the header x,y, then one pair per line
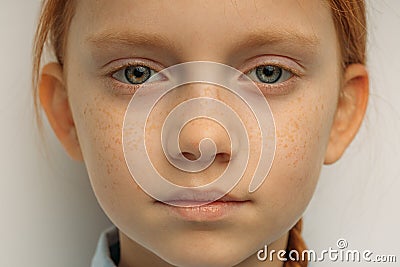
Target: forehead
x,y
216,10
206,23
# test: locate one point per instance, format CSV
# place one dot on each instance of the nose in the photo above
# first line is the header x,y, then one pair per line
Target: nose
x,y
200,127
195,131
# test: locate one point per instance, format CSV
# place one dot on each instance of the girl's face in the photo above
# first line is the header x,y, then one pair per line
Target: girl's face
x,y
297,37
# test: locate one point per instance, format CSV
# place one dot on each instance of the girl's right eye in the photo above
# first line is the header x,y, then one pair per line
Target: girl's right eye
x,y
134,74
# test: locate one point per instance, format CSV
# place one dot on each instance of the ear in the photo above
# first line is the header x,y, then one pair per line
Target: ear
x,y
352,104
54,100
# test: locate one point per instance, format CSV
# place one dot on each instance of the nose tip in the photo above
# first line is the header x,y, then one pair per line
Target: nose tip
x,y
199,129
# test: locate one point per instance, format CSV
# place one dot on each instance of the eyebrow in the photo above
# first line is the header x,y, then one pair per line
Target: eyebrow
x,y
277,37
111,38
254,38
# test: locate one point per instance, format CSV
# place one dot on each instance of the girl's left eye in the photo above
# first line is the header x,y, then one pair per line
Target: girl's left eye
x,y
134,74
269,74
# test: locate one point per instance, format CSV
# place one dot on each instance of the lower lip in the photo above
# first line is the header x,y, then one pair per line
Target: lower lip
x,y
213,211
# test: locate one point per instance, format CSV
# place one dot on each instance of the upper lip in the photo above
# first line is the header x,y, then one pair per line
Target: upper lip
x,y
202,196
228,198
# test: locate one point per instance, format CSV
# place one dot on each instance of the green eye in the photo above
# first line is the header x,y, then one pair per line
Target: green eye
x,y
135,74
269,74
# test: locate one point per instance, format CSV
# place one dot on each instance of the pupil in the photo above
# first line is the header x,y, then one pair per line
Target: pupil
x,y
268,71
138,72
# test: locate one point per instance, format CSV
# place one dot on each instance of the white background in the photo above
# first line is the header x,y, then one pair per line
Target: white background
x,y
49,216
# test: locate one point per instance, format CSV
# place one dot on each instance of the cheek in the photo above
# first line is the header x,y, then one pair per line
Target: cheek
x,y
98,116
302,132
303,122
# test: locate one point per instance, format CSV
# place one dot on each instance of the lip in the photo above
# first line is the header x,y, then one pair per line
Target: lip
x,y
207,206
190,198
213,211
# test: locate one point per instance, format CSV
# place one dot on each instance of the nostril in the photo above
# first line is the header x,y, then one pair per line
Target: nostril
x,y
189,156
223,157
220,157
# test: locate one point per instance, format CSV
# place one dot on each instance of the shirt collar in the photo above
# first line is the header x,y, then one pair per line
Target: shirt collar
x,y
102,257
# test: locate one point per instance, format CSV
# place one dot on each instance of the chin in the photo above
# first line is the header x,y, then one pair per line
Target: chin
x,y
202,260
199,254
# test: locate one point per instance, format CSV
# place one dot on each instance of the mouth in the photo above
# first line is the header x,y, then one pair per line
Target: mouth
x,y
203,208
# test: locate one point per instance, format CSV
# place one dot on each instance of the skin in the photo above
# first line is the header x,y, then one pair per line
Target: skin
x,y
314,125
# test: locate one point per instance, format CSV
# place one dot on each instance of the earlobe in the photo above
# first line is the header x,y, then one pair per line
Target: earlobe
x,y
54,100
350,111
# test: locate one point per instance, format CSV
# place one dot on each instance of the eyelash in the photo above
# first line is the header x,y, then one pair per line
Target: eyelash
x,y
290,65
123,88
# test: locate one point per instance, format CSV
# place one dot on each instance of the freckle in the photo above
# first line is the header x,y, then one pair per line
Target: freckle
x,y
108,169
296,125
295,163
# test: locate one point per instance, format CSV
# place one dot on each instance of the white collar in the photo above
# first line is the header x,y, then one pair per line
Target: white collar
x,y
102,256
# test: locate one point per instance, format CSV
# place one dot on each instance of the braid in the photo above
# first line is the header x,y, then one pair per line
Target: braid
x,y
296,242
